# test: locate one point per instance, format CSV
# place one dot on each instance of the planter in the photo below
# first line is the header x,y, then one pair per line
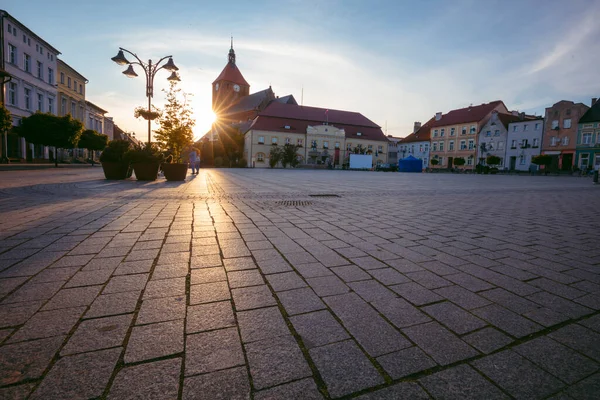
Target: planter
x,y
175,172
116,170
146,171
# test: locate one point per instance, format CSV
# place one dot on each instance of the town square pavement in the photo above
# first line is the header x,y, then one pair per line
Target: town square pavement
x,y
295,284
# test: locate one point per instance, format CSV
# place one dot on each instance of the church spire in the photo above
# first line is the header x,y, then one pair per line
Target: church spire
x,y
231,53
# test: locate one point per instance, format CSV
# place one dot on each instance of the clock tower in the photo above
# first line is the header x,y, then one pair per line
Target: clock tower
x,y
229,87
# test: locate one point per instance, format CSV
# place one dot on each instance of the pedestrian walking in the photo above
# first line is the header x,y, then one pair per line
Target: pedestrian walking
x,y
195,160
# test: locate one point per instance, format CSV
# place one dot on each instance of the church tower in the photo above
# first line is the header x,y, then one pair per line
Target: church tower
x,y
229,87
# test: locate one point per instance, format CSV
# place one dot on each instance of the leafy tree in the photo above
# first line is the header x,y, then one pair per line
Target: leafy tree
x,y
176,123
542,159
50,130
5,125
434,161
493,160
459,161
275,155
92,140
289,155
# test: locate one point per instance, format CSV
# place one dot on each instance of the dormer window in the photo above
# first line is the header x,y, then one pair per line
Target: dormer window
x,y
358,134
287,127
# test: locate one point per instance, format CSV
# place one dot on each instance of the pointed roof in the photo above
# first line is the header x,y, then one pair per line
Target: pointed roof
x,y
422,135
231,73
467,114
591,115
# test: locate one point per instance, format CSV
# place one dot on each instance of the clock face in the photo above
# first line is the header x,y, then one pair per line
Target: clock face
x,y
217,86
236,88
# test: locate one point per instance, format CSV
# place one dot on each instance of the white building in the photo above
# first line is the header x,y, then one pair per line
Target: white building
x,y
417,143
32,64
524,142
109,128
94,117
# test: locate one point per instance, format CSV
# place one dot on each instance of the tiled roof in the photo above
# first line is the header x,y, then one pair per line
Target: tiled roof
x,y
422,135
231,73
508,118
251,102
591,115
467,114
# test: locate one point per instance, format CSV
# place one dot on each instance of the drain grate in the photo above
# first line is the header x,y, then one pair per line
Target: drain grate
x,y
293,203
323,195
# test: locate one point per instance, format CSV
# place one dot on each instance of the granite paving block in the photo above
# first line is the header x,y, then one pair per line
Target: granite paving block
x,y
153,381
112,304
371,290
591,301
318,328
275,361
507,321
469,282
313,270
165,288
388,276
399,391
47,275
228,384
48,323
34,291
586,389
244,278
155,340
416,293
161,309
405,362
455,318
428,279
368,263
67,298
487,340
304,389
461,382
400,312
299,301
262,323
207,261
89,278
19,392
27,360
170,271
81,376
238,264
212,351
252,297
546,317
515,303
350,273
273,266
439,343
579,338
97,334
344,368
209,292
592,323
518,376
462,297
17,313
560,305
285,281
126,283
208,275
205,317
327,285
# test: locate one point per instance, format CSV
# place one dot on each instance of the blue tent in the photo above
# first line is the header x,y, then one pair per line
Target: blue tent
x,y
410,164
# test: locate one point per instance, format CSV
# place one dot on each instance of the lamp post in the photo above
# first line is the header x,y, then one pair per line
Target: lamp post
x,y
5,77
150,69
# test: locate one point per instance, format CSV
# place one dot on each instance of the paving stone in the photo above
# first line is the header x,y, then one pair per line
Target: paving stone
x,y
592,323
327,285
299,301
103,263
518,376
112,304
273,266
461,382
350,273
27,360
344,368
487,340
154,341
469,282
400,312
238,279
170,271
428,279
252,297
579,338
18,313
285,281
209,292
586,389
49,275
454,317
304,389
515,303
161,309
165,288
546,317
405,362
81,376
19,392
221,385
238,264
262,323
33,291
208,275
399,391
388,276
48,323
205,317
591,301
90,278
97,334
313,270
371,290
462,297
153,381
557,359
438,342
560,305
318,328
126,283
416,293
212,351
67,298
507,321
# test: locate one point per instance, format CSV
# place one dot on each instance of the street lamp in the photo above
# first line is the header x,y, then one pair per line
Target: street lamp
x,y
5,77
150,69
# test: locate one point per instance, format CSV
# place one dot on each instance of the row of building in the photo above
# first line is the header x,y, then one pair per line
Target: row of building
x,y
568,132
36,79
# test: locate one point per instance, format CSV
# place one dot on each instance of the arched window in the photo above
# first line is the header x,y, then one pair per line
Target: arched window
x,y
260,157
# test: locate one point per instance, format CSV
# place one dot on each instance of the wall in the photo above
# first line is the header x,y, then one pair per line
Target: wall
x,y
523,143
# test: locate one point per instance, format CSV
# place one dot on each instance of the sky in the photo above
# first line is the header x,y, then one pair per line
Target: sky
x,y
395,62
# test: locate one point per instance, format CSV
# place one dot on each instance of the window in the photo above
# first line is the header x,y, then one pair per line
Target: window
x,y
471,144
536,142
435,133
51,76
470,160
496,133
40,106
522,160
463,144
525,127
69,83
370,147
567,123
261,140
473,129
63,106
587,138
421,147
568,111
441,146
452,131
348,146
488,133
358,134
80,88
27,62
500,145
73,109
442,132
513,144
537,127
288,140
27,93
62,78
380,148
490,146
565,141
337,145
434,146
325,144
75,89
450,145
9,28
260,157
274,140
514,128
12,54
553,141
555,124
51,105
463,130
12,93
14,31
40,70
24,39
524,144
300,142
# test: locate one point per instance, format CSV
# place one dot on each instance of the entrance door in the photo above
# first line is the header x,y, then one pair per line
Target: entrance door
x,y
567,162
450,161
513,163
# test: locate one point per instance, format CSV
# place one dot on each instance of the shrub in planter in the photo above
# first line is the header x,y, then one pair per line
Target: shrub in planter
x,y
242,163
145,160
114,164
175,171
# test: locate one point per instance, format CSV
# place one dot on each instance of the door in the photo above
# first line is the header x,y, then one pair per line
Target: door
x,y
513,163
567,162
450,161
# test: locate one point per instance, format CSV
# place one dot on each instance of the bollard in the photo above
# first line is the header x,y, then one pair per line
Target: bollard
x,y
596,176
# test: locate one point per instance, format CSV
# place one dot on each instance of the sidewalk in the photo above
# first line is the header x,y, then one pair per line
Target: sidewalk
x,y
26,166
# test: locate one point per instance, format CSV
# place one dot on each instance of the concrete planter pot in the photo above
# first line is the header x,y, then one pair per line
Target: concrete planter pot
x,y
146,171
175,172
116,170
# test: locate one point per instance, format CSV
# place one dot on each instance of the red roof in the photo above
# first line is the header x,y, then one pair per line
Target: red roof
x,y
232,74
422,135
468,114
279,115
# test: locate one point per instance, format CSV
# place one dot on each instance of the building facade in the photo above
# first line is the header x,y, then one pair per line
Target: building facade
x,y
417,143
560,133
524,140
455,134
393,149
32,65
71,92
588,139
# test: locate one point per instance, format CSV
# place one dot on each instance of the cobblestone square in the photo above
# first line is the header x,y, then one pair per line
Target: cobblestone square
x,y
293,284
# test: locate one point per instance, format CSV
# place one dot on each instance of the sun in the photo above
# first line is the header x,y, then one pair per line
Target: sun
x,y
204,122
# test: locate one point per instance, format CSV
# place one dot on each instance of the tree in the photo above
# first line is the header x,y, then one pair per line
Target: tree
x,y
50,130
459,161
434,161
5,125
493,160
176,123
92,140
289,155
275,155
542,159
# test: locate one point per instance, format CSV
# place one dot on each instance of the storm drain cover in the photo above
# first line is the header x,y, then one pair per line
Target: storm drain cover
x,y
293,203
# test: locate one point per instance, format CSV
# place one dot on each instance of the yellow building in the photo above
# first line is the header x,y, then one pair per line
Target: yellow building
x,y
454,135
71,92
325,137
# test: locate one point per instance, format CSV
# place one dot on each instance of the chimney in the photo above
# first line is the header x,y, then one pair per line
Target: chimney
x,y
522,116
416,127
438,116
594,100
515,113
